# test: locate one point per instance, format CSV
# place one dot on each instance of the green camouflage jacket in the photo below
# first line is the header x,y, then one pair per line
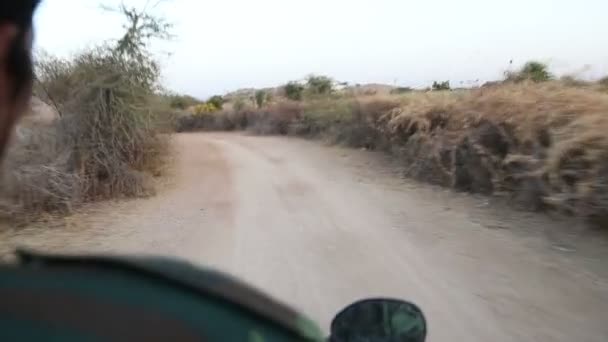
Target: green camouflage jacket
x,y
89,298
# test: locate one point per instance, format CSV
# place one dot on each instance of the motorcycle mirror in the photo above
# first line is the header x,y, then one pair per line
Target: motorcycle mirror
x,y
379,320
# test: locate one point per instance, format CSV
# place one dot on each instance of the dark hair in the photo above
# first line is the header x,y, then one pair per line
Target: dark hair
x,y
18,12
19,61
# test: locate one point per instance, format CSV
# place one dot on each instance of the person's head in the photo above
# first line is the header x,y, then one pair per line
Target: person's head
x,y
16,71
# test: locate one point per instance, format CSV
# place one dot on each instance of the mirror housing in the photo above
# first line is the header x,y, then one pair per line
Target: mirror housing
x,y
379,320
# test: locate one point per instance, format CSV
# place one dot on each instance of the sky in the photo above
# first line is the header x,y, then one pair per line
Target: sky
x,y
224,45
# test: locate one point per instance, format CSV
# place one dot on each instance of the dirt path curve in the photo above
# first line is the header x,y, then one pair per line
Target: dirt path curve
x,y
320,227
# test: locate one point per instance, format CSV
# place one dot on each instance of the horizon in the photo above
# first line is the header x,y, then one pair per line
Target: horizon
x,y
222,47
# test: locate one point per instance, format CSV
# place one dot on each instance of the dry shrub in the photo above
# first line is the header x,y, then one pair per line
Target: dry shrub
x,y
418,112
106,144
109,120
108,141
188,122
37,174
276,118
225,120
576,167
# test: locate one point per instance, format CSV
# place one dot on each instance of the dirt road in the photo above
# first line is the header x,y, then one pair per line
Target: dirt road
x,y
319,227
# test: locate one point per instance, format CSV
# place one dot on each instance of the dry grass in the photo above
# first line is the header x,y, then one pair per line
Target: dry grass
x,y
525,106
546,144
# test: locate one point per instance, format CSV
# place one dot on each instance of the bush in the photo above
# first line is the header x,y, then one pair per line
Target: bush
x,y
197,122
401,90
110,121
182,102
274,119
260,98
204,108
294,91
536,71
572,81
216,101
441,86
531,71
319,85
107,141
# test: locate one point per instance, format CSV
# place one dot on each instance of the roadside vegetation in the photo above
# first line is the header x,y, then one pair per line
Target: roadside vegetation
x,y
103,135
535,139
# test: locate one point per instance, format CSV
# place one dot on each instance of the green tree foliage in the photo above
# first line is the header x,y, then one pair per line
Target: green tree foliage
x,y
320,85
182,101
531,71
536,71
294,91
441,85
217,101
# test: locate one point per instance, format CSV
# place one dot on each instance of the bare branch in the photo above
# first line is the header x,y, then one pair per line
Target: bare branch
x,y
145,6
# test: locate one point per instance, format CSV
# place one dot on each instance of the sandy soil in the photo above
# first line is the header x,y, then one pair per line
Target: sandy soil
x,y
319,227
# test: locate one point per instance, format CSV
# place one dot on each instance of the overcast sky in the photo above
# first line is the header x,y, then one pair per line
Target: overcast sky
x,y
223,45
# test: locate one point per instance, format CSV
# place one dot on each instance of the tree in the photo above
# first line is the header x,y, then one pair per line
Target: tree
x,y
532,71
294,91
217,101
320,85
141,28
536,71
441,85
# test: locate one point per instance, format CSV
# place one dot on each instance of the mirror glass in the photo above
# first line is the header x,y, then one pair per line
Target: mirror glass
x,y
379,320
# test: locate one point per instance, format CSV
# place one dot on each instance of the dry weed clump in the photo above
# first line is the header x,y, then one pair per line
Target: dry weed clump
x,y
276,118
37,175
